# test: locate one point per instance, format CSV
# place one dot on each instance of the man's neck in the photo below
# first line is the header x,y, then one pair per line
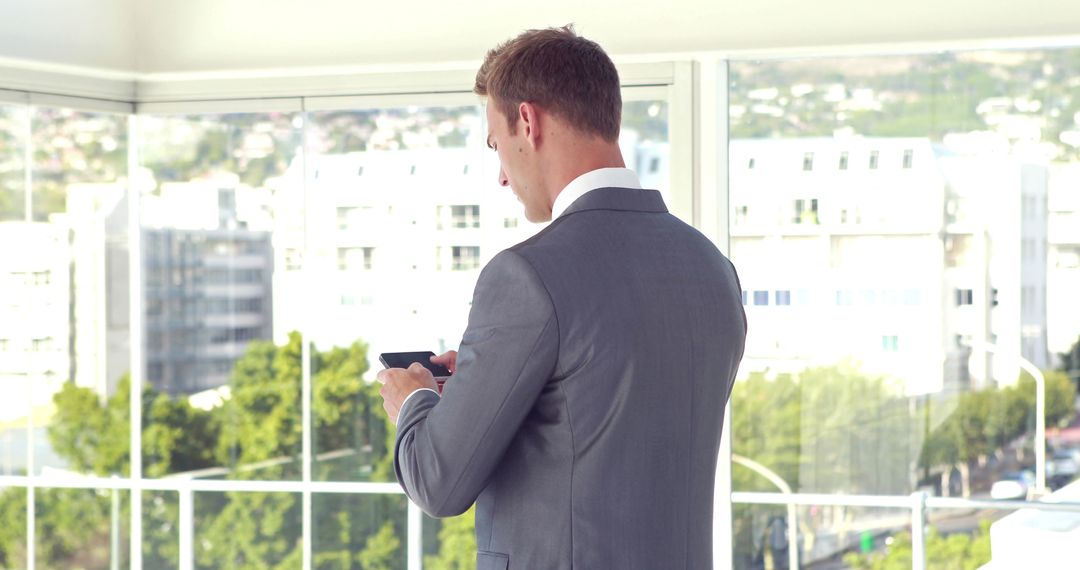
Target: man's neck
x,y
599,178
577,159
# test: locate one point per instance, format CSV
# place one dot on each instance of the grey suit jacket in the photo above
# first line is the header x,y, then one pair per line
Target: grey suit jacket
x,y
584,416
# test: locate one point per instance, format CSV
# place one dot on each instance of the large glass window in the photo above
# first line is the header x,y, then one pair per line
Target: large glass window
x,y
13,162
645,141
279,253
60,417
914,190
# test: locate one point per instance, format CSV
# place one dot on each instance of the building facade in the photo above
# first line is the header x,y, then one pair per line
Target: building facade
x,y
890,252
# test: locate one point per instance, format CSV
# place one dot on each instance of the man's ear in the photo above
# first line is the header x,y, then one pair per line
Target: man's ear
x,y
529,121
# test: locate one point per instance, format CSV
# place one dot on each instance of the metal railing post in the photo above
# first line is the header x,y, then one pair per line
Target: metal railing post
x,y
918,531
415,555
187,529
792,508
114,529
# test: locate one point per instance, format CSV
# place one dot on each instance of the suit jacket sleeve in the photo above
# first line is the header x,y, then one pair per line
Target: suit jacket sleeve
x,y
447,448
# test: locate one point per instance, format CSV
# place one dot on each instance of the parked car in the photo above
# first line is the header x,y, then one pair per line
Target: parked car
x,y
1016,485
1061,468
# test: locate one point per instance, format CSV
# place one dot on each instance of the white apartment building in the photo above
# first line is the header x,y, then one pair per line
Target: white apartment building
x,y
35,329
996,251
97,216
1063,259
887,252
396,241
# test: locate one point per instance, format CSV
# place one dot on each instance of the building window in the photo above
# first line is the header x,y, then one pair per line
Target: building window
x,y
293,259
873,159
750,164
42,344
958,250
510,223
741,214
745,298
843,160
808,161
964,297
654,165
4,343
465,216
343,215
228,335
761,298
354,217
458,217
890,343
465,257
247,305
783,298
908,155
355,258
806,211
845,297
227,276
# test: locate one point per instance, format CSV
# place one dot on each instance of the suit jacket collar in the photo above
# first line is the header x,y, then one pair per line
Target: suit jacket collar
x,y
624,199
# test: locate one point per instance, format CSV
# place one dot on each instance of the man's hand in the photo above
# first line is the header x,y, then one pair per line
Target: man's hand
x,y
447,359
398,383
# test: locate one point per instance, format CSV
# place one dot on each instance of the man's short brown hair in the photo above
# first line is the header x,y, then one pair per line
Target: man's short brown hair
x,y
561,72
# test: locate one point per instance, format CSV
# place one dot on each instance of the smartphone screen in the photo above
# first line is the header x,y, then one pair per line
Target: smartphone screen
x,y
405,359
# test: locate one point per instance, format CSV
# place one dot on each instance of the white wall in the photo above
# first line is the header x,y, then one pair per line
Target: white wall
x,y
151,36
86,33
211,34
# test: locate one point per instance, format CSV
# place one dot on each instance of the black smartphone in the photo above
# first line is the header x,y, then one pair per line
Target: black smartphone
x,y
405,359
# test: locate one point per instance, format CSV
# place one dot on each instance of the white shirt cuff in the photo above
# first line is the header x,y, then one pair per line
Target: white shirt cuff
x,y
414,392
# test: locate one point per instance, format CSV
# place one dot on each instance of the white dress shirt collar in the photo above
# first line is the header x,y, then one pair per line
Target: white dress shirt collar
x,y
599,178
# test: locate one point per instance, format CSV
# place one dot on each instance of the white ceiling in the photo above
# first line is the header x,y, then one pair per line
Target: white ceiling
x,y
164,36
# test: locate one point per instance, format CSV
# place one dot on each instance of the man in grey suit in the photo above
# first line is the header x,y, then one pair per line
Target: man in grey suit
x,y
584,413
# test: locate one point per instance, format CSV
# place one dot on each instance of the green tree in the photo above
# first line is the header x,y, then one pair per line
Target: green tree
x,y
958,551
986,421
261,438
828,429
1070,361
457,544
381,550
254,434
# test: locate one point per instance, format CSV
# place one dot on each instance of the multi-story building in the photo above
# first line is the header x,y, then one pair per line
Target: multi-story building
x,y
995,252
396,240
97,216
35,330
1063,259
891,252
207,297
206,278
